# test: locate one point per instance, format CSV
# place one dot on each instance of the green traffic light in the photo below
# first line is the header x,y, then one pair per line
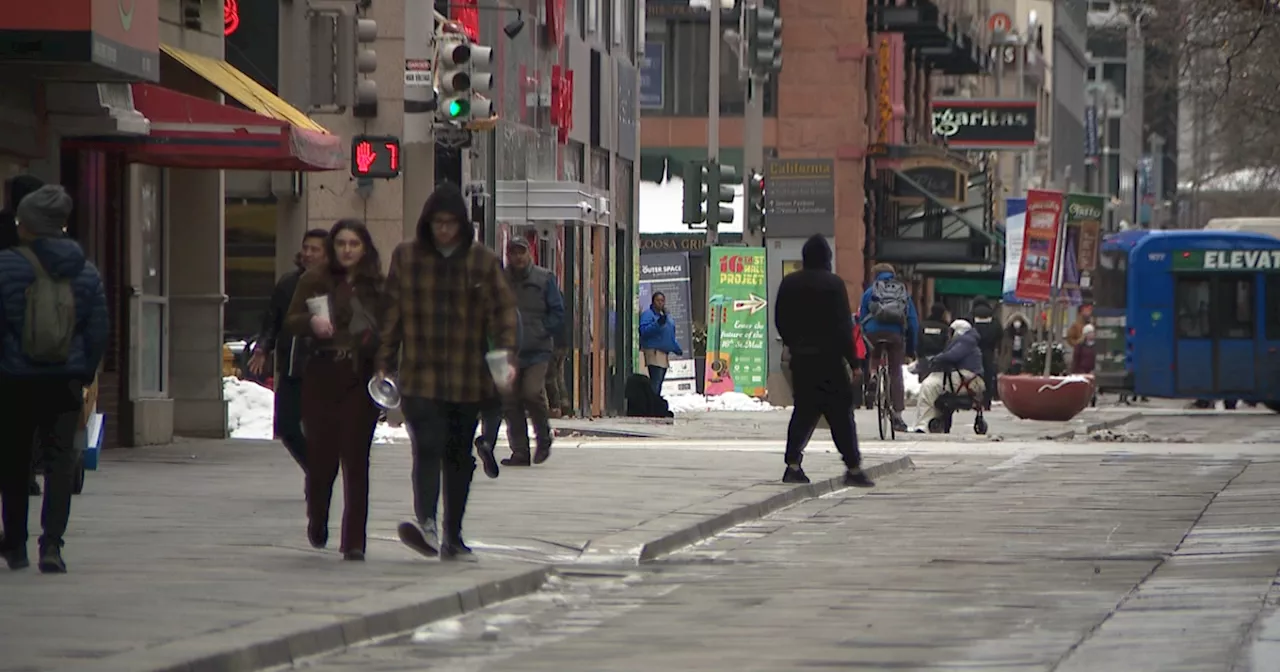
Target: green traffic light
x,y
457,108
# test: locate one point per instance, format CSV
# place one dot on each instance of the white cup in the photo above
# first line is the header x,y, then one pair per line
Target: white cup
x,y
499,362
319,306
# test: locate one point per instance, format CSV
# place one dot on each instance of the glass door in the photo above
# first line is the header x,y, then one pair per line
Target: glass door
x,y
148,301
1193,334
1235,332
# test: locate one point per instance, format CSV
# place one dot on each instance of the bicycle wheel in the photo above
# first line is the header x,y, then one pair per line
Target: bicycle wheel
x,y
886,392
882,404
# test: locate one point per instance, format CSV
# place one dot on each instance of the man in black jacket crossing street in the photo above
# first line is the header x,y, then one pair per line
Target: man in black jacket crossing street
x,y
290,357
813,318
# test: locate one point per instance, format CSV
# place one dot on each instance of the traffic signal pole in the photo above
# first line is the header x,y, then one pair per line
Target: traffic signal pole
x,y
713,120
753,153
419,151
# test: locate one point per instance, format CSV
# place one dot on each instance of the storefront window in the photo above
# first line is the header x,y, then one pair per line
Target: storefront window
x,y
151,264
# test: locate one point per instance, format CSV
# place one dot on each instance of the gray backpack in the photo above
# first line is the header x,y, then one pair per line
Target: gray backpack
x,y
890,297
49,323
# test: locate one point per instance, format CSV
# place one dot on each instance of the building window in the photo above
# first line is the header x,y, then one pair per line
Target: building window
x,y
686,55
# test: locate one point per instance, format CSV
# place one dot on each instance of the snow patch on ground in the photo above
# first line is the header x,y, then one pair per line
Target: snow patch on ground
x,y
251,413
729,401
250,409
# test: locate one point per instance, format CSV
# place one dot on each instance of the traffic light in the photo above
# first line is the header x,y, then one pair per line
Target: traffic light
x,y
754,205
720,181
376,156
764,40
463,72
481,63
695,173
357,62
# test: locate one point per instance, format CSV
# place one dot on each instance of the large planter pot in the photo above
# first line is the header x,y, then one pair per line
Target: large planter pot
x,y
1052,398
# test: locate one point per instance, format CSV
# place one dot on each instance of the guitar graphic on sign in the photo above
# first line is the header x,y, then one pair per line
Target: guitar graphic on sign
x,y
719,377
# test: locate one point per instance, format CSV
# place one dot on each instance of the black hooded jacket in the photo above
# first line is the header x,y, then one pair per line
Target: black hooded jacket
x,y
990,331
811,310
934,332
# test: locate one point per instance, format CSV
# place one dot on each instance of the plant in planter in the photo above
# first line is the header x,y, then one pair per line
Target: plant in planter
x,y
1035,360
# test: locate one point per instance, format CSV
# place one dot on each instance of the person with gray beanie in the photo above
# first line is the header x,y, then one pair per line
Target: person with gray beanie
x,y
16,189
53,334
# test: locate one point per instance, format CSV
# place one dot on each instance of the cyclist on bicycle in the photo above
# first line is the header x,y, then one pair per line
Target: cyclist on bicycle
x,y
890,322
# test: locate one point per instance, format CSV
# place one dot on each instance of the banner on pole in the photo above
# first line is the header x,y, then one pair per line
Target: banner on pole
x,y
1040,245
737,322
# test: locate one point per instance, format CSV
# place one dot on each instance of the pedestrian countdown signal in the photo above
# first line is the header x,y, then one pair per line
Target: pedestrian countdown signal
x,y
375,156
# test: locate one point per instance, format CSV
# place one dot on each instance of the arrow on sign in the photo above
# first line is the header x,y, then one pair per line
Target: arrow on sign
x,y
753,303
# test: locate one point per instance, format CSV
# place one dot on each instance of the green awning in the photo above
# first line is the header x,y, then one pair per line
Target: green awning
x,y
968,286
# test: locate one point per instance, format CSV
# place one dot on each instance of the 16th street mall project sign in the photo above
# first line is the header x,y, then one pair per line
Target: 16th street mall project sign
x,y
736,322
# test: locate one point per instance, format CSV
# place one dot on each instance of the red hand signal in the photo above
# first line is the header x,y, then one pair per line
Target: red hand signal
x,y
365,157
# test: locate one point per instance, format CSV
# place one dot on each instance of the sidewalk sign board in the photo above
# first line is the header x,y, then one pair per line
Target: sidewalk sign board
x,y
737,358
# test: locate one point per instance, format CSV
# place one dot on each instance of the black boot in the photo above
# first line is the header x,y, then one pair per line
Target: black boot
x,y
457,489
51,560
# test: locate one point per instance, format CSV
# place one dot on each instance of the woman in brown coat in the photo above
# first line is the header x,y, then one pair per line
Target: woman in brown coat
x,y
338,417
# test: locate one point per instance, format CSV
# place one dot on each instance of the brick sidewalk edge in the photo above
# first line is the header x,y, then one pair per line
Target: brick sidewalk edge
x,y
282,641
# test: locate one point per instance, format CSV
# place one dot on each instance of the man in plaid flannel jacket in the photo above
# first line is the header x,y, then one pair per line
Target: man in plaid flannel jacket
x,y
448,304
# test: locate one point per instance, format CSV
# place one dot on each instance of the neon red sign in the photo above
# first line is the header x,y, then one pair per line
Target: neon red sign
x,y
562,102
230,16
376,156
467,14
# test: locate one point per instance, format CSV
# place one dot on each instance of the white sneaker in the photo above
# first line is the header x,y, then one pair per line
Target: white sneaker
x,y
430,534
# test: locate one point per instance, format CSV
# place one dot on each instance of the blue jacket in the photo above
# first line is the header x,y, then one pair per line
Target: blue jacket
x,y
871,326
62,258
658,336
962,353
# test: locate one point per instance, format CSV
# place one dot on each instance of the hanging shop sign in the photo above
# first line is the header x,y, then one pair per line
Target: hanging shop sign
x,y
942,181
985,124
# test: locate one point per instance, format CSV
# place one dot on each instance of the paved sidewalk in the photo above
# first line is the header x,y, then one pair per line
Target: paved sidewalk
x,y
773,425
190,551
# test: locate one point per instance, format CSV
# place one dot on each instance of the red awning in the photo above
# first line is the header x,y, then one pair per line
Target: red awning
x,y
191,132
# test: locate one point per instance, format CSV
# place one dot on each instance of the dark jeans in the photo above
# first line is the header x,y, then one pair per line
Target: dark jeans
x,y
340,418
442,433
894,348
804,418
491,421
657,374
529,400
288,421
30,408
823,388
988,377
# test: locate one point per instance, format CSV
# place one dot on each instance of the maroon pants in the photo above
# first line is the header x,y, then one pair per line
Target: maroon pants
x,y
338,418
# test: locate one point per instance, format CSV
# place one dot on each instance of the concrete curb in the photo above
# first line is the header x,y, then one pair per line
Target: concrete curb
x,y
1095,427
284,640
689,526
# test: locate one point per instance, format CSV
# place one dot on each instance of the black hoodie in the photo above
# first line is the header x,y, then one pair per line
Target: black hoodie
x,y
990,332
811,310
446,198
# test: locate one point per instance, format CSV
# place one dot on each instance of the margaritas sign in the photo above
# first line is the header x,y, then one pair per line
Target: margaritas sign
x,y
1227,260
